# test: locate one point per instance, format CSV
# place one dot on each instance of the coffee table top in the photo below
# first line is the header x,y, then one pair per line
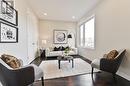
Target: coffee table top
x,y
65,58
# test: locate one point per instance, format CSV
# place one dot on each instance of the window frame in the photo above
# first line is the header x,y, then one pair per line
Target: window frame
x,y
80,35
13,2
86,47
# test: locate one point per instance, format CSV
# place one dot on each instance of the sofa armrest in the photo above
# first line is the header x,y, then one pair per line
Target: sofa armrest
x,y
47,51
75,50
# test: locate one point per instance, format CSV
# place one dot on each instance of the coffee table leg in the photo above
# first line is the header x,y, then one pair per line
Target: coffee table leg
x,y
72,63
59,63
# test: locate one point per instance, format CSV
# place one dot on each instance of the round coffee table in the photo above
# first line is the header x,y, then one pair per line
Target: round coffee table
x,y
65,58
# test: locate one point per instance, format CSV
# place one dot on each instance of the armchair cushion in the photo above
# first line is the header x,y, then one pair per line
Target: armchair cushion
x,y
96,63
37,71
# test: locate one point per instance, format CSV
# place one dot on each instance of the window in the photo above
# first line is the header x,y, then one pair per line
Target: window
x,y
10,2
81,35
87,33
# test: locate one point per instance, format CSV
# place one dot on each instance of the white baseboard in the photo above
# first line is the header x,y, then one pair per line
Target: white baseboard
x,y
123,75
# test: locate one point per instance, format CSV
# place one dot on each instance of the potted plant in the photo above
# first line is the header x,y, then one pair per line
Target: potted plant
x,y
67,51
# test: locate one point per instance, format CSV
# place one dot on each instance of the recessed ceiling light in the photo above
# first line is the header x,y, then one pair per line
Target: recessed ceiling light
x,y
45,14
73,17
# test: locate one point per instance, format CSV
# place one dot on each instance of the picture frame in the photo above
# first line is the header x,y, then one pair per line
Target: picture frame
x,y
8,13
60,36
8,33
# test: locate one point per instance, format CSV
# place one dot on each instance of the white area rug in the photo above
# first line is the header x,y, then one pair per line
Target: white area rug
x,y
51,69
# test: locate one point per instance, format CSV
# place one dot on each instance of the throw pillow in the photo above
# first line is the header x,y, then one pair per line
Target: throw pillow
x,y
63,48
112,54
12,61
55,49
60,48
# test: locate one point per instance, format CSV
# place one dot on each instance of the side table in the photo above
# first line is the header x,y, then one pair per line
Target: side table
x,y
43,54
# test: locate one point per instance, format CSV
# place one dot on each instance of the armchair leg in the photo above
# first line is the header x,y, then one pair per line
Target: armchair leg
x,y
42,81
92,76
92,70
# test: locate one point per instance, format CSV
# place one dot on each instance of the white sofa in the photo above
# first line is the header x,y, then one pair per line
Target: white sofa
x,y
51,53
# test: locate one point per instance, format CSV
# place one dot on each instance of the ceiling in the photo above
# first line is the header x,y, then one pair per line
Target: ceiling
x,y
62,10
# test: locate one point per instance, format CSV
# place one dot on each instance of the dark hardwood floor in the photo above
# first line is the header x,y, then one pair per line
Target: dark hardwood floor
x,y
98,79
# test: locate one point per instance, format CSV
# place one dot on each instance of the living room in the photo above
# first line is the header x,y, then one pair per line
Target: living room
x,y
38,27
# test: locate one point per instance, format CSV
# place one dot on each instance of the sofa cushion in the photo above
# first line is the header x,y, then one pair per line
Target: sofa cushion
x,y
71,52
56,53
112,54
51,53
12,61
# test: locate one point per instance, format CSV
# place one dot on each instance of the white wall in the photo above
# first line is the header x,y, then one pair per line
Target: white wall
x,y
112,31
20,49
46,31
